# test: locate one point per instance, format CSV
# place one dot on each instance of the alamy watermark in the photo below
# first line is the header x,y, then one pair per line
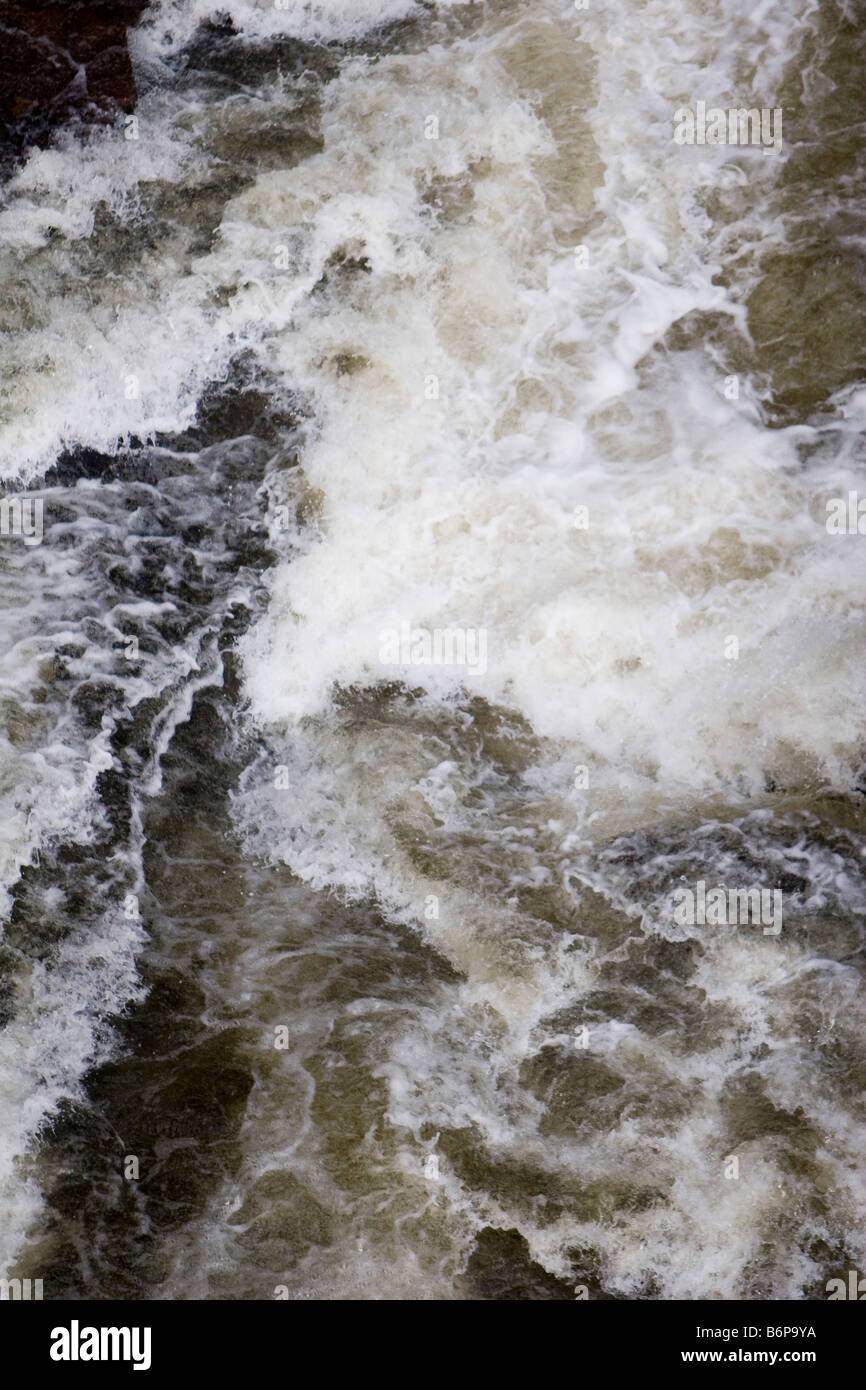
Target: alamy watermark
x,y
739,125
77,1343
702,906
855,1288
23,1290
22,516
442,646
846,516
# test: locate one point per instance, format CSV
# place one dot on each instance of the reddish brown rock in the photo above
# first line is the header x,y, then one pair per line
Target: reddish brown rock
x,y
59,60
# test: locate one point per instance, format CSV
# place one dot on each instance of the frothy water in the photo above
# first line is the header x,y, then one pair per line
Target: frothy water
x,y
436,578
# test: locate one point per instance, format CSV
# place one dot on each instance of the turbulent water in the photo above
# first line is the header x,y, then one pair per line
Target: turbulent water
x,y
330,972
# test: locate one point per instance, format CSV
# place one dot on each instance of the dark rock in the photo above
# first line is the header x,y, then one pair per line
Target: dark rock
x,y
502,1269
60,61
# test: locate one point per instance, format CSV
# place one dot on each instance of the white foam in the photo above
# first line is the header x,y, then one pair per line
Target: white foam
x,y
171,23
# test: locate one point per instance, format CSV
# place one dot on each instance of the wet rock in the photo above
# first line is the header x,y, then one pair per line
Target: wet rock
x,y
501,1268
63,60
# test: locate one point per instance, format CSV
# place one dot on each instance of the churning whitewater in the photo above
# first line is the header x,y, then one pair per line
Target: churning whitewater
x,y
432,802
